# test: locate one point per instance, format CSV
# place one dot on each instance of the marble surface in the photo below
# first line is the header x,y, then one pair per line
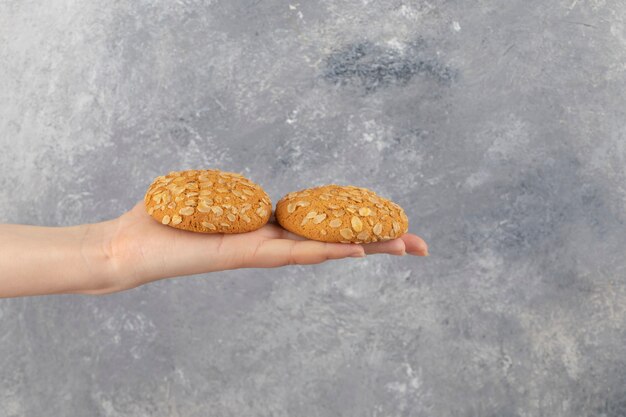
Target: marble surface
x,y
499,125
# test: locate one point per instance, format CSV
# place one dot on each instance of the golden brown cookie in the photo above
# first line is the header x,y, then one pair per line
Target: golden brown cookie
x,y
347,214
208,201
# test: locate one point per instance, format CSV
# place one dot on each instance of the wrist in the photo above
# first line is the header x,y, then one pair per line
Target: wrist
x,y
102,270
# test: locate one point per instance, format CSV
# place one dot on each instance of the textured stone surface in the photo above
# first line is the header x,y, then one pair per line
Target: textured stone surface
x,y
498,125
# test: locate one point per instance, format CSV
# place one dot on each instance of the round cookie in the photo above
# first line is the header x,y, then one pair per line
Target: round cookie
x,y
347,214
208,201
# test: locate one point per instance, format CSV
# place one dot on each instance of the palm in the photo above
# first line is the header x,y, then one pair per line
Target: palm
x,y
156,251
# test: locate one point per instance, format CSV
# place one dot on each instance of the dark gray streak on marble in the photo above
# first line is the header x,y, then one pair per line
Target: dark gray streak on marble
x,y
373,66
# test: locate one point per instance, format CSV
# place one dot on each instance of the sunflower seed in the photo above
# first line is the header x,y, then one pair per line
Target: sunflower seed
x,y
151,210
191,203
311,214
332,206
364,235
319,218
364,211
396,227
187,211
335,223
166,219
176,219
291,208
246,191
245,218
304,221
217,210
357,225
231,217
209,226
171,205
203,207
303,203
338,213
225,225
221,190
261,212
378,229
346,233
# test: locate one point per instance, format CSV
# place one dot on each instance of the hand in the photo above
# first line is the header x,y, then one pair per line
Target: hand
x,y
145,250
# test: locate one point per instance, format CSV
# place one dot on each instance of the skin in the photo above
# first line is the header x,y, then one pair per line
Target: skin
x,y
134,250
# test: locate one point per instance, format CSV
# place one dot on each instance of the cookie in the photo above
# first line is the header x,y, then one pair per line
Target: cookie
x,y
347,214
208,201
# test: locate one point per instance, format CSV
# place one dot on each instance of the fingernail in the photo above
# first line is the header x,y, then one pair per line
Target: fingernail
x,y
358,255
427,254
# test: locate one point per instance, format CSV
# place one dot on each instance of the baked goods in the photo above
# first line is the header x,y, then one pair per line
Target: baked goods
x,y
208,201
348,214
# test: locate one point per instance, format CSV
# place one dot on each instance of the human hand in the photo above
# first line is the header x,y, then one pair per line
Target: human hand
x,y
144,250
133,249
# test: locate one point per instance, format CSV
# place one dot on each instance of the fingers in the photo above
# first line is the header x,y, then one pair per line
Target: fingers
x,y
415,245
279,252
286,250
407,243
282,247
390,247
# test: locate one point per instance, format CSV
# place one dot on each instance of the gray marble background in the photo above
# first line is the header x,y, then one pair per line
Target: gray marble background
x,y
499,125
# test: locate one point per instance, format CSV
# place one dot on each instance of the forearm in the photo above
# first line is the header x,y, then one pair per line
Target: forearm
x,y
51,260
